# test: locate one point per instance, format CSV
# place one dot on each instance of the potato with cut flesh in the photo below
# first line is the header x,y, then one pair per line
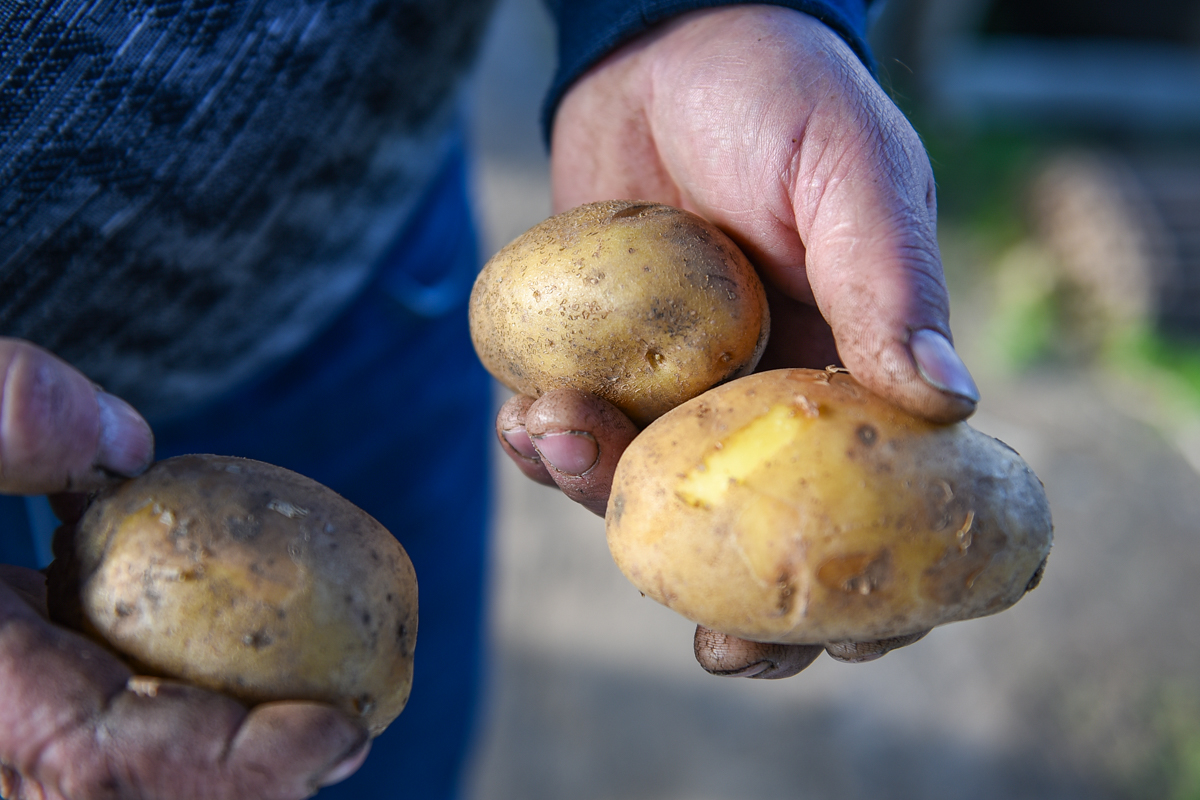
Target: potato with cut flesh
x,y
639,303
795,506
244,578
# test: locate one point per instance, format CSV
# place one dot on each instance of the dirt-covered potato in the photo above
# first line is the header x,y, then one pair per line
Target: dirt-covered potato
x,y
642,304
795,506
244,578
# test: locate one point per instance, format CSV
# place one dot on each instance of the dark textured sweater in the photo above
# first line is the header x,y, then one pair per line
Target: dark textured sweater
x,y
190,189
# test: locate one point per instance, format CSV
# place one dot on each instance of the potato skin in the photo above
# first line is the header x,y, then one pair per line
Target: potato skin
x,y
642,304
795,506
248,579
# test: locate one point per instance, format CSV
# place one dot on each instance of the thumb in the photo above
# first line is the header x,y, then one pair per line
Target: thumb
x,y
58,432
310,744
873,263
803,159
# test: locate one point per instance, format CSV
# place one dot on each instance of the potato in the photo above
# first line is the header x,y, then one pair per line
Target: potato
x,y
795,506
642,304
244,578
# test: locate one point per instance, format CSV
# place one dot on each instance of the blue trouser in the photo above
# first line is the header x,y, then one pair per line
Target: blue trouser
x,y
389,407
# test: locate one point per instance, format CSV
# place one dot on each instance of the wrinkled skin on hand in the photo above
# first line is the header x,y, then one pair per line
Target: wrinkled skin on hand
x,y
74,721
763,121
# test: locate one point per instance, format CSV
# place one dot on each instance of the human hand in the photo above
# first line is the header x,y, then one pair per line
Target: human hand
x,y
74,720
59,432
763,121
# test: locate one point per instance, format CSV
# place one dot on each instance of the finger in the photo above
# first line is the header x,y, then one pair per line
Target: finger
x,y
864,245
722,654
579,439
74,722
174,740
865,209
300,746
52,682
844,216
161,739
154,734
515,441
861,652
57,431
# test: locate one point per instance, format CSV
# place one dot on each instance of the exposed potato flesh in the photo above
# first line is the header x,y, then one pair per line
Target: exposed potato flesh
x,y
248,579
795,506
642,304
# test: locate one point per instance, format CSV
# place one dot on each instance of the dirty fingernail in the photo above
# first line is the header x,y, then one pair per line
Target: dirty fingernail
x,y
518,439
852,657
346,767
126,442
570,452
940,365
752,671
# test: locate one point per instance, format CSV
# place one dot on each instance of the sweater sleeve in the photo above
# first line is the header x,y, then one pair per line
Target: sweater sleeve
x,y
590,29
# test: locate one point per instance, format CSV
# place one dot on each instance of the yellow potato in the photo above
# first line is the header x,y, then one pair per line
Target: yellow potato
x,y
248,579
795,506
642,304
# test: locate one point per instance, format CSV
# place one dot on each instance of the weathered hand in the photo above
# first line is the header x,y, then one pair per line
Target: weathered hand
x,y
762,120
72,722
75,723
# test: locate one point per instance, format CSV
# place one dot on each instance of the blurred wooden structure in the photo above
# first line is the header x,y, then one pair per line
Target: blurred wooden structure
x,y
1117,85
1094,64
1126,230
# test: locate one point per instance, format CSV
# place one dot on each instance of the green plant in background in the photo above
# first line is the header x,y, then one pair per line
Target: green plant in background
x,y
1038,314
1141,741
1176,723
1025,319
980,178
981,181
1039,318
1141,349
1035,312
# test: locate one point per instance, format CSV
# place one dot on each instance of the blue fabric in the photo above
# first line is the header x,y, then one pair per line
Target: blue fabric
x,y
590,29
389,407
16,536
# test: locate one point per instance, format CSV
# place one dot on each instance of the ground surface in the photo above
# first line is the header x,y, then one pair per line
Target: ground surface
x,y
1086,689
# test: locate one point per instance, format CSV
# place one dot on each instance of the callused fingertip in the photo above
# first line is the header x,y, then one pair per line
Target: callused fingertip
x,y
126,441
940,366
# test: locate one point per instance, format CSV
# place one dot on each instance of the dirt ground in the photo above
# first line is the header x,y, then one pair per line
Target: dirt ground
x,y
1086,689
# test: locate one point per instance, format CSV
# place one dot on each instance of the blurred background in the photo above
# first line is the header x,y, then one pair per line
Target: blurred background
x,y
1065,137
